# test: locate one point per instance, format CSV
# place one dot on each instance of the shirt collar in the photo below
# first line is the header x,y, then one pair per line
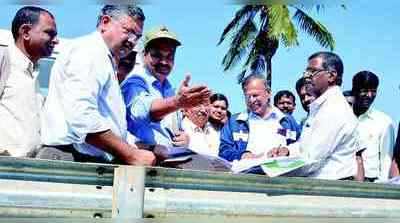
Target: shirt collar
x,y
150,78
334,90
20,60
367,114
101,43
196,128
275,114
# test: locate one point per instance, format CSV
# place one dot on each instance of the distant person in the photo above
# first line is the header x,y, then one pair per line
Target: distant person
x,y
35,36
204,139
376,129
253,133
84,117
306,96
219,106
153,108
329,138
285,101
394,170
349,97
126,65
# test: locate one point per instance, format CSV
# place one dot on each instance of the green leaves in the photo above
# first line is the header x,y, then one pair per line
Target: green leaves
x,y
256,31
315,29
281,26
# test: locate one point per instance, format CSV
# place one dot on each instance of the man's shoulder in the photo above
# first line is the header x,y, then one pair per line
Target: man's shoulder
x,y
380,116
134,79
86,45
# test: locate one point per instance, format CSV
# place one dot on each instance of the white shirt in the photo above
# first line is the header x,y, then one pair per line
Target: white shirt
x,y
202,140
329,138
84,96
20,106
263,132
376,131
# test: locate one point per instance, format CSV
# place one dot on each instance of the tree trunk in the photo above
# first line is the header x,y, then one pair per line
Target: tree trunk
x,y
268,71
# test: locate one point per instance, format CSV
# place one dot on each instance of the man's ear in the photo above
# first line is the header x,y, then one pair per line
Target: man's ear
x,y
332,78
24,30
105,21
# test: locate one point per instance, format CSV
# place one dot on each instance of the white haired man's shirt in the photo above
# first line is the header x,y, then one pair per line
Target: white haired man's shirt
x,y
376,131
84,97
203,141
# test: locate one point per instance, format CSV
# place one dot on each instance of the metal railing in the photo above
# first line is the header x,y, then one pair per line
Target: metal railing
x,y
67,189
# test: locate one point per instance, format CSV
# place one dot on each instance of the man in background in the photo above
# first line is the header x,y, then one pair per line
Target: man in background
x,y
35,36
285,101
253,133
376,129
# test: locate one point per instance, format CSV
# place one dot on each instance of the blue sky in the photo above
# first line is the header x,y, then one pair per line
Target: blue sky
x,y
365,37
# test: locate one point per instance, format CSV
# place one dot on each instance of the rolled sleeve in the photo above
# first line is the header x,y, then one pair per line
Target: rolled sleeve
x,y
137,99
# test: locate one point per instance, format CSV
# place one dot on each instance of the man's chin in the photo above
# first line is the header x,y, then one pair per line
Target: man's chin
x,y
163,73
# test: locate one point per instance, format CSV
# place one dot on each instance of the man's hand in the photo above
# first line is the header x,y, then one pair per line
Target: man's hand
x,y
188,97
141,157
250,155
278,151
181,139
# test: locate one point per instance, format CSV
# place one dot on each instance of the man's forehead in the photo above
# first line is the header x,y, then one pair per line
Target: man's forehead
x,y
286,97
131,21
46,19
315,62
163,46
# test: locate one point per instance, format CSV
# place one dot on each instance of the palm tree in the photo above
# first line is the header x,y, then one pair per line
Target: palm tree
x,y
256,32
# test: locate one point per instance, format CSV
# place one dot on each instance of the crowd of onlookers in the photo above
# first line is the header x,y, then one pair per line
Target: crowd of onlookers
x,y
104,107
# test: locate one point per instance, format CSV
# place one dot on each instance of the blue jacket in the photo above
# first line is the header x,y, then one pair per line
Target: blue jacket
x,y
234,134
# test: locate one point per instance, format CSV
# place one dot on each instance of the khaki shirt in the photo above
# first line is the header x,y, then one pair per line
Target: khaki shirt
x,y
20,106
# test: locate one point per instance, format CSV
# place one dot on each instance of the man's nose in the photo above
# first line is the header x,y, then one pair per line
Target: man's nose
x,y
55,40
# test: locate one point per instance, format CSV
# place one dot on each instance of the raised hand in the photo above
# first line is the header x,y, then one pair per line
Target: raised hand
x,y
188,97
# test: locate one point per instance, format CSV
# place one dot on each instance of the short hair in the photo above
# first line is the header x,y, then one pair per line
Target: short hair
x,y
299,84
251,77
284,93
365,79
347,93
26,15
116,11
219,97
331,62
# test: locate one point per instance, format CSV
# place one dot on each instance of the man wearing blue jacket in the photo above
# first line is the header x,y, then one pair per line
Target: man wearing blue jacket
x,y
251,134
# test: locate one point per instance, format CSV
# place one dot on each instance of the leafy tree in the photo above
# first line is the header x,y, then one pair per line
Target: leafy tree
x,y
256,31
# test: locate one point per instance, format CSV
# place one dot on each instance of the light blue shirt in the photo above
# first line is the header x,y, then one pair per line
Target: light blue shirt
x,y
84,96
140,89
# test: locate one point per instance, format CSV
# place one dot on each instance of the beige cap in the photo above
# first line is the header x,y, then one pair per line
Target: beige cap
x,y
161,32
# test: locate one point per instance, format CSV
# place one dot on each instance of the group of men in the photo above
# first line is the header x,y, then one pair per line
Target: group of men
x,y
102,108
375,130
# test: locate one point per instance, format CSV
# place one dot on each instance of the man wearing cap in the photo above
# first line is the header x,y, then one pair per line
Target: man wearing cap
x,y
84,115
152,105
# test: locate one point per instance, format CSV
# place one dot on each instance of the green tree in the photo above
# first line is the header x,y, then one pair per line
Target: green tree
x,y
256,31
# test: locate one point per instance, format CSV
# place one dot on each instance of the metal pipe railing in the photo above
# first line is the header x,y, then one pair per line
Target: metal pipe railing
x,y
103,174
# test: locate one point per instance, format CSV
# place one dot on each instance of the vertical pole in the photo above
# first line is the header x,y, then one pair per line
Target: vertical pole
x,y
128,192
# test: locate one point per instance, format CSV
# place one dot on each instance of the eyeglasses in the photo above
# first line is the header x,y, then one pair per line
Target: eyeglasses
x,y
312,73
133,36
